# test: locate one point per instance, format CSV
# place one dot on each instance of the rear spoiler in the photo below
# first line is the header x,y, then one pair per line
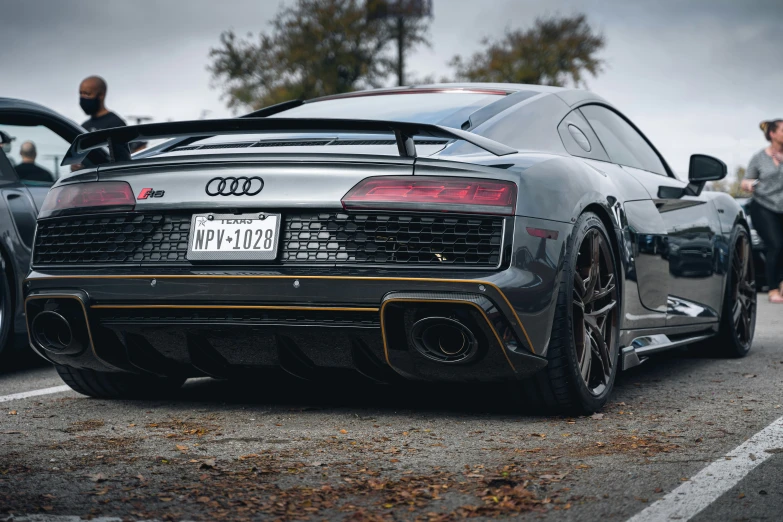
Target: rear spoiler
x,y
118,138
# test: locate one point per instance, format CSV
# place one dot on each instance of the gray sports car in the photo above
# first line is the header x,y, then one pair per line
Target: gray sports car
x,y
461,232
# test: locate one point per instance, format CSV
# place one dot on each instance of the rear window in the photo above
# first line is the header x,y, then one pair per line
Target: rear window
x,y
451,109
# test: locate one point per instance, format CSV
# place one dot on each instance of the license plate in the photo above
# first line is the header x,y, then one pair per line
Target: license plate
x,y
232,237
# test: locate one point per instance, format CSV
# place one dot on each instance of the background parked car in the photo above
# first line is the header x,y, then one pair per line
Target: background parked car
x,y
20,200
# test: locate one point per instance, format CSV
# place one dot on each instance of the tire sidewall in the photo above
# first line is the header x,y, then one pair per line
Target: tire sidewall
x,y
586,222
729,332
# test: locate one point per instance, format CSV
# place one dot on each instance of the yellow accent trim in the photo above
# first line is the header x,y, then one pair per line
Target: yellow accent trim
x,y
350,278
86,320
477,307
237,307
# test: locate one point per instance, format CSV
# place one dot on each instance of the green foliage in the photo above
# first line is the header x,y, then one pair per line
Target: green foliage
x,y
552,51
732,188
314,48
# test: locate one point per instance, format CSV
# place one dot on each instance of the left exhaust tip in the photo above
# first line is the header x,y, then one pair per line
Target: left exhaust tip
x,y
52,331
444,340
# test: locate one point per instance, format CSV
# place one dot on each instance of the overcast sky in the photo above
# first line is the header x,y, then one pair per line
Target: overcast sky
x,y
695,76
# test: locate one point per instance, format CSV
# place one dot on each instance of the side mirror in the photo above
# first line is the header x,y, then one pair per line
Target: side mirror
x,y
702,169
706,168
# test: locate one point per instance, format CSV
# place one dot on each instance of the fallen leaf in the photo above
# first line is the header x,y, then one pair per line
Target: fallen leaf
x,y
394,460
597,416
541,435
741,495
659,490
98,477
182,447
208,464
12,412
343,431
203,500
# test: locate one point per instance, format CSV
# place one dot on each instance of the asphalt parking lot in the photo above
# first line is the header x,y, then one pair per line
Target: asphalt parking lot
x,y
286,449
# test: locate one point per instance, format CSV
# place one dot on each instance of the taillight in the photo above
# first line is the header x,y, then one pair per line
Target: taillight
x,y
472,195
98,195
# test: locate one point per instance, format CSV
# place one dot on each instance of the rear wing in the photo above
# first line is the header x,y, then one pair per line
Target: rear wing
x,y
118,138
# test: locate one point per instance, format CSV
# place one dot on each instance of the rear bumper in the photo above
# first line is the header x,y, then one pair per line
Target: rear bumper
x,y
189,321
214,324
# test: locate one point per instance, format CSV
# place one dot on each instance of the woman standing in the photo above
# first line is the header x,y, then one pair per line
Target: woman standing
x,y
764,178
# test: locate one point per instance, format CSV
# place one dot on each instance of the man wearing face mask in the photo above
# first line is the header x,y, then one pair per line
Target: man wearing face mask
x,y
92,99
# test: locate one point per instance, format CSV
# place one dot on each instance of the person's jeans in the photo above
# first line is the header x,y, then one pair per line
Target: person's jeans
x,y
769,225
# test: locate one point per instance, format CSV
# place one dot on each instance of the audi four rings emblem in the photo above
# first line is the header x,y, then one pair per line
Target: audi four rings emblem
x,y
231,186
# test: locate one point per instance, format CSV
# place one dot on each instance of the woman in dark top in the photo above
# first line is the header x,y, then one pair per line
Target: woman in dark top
x,y
764,178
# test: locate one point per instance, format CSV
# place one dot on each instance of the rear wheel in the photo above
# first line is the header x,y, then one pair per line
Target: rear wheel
x,y
738,318
583,349
107,385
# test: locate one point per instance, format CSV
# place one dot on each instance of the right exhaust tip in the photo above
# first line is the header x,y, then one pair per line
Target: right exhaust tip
x,y
444,340
51,331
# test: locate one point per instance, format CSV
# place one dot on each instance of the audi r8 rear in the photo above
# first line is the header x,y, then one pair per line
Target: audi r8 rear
x,y
445,233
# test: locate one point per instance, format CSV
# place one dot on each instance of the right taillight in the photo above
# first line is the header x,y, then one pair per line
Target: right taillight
x,y
94,195
471,195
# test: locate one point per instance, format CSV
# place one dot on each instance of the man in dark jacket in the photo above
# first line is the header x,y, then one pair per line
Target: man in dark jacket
x,y
92,99
27,169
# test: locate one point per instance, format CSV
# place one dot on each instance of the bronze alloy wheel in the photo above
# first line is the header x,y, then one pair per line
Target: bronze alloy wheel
x,y
595,311
743,292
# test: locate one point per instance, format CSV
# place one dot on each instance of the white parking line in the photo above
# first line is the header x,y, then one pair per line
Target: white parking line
x,y
709,484
34,393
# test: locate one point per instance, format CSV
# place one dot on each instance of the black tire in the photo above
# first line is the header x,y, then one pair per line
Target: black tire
x,y
107,385
735,336
6,314
560,387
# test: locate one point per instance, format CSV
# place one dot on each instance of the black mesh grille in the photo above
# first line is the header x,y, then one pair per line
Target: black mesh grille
x,y
392,239
123,238
305,238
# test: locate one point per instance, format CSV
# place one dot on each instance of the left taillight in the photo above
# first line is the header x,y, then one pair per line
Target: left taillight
x,y
431,193
94,195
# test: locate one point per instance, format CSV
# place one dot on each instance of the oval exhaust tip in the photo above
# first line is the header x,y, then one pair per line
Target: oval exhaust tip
x,y
51,331
444,340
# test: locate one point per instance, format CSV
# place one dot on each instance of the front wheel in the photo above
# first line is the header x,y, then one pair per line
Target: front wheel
x,y
106,385
583,349
738,317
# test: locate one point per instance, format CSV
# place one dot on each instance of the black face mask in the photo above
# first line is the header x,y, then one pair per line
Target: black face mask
x,y
89,105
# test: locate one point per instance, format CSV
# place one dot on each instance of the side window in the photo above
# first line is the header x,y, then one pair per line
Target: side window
x,y
621,141
579,139
35,152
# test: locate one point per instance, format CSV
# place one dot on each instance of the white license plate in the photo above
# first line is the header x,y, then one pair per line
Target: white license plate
x,y
232,237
